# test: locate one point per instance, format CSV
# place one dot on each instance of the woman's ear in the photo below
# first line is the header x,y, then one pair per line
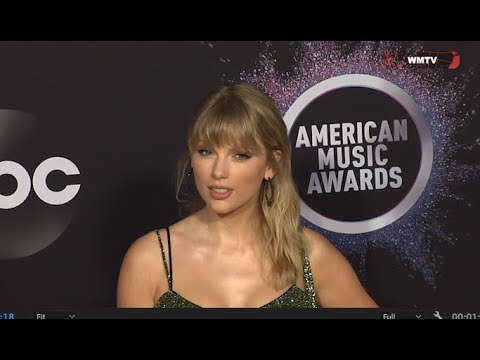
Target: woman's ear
x,y
278,155
270,172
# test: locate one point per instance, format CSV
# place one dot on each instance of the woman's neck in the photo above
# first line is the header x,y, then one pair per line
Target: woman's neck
x,y
234,230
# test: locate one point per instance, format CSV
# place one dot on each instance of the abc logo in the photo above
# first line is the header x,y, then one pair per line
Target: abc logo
x,y
39,182
38,191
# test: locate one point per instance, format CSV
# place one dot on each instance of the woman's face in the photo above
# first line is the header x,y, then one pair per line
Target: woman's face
x,y
229,179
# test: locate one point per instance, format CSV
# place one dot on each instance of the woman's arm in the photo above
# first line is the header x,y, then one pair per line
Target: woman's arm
x,y
335,281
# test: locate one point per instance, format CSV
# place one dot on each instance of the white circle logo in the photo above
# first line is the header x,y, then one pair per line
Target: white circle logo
x,y
362,152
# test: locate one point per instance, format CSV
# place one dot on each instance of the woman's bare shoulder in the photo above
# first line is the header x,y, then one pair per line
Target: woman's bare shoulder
x,y
322,252
140,273
336,283
318,244
144,248
144,256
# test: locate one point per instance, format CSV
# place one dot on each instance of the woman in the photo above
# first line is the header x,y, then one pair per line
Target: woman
x,y
242,244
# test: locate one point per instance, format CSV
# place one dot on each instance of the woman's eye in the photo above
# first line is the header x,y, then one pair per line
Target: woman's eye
x,y
204,152
242,156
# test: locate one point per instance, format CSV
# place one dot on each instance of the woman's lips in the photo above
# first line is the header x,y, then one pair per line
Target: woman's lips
x,y
218,193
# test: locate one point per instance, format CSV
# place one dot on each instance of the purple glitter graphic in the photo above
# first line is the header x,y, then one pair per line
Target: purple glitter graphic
x,y
415,237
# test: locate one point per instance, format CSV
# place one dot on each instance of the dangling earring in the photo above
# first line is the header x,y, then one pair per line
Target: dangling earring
x,y
268,191
191,187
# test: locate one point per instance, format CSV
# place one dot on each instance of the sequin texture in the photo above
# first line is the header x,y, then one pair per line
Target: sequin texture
x,y
294,297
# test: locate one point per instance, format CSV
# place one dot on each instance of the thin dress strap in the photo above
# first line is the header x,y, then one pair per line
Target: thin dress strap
x,y
170,258
164,258
308,277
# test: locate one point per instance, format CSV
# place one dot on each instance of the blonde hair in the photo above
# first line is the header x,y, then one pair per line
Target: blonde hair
x,y
242,115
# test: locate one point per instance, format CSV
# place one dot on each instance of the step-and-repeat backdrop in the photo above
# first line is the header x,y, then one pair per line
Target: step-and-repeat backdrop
x,y
385,147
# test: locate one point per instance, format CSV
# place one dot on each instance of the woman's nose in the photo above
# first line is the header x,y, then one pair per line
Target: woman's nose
x,y
220,168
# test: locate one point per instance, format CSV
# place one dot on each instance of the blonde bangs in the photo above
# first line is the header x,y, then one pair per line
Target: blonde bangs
x,y
225,125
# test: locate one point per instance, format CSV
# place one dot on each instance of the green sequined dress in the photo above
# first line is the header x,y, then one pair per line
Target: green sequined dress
x,y
294,297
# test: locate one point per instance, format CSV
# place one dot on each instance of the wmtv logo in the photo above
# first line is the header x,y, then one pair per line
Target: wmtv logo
x,y
438,59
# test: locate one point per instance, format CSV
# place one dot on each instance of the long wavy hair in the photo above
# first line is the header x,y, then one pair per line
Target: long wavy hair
x,y
244,116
